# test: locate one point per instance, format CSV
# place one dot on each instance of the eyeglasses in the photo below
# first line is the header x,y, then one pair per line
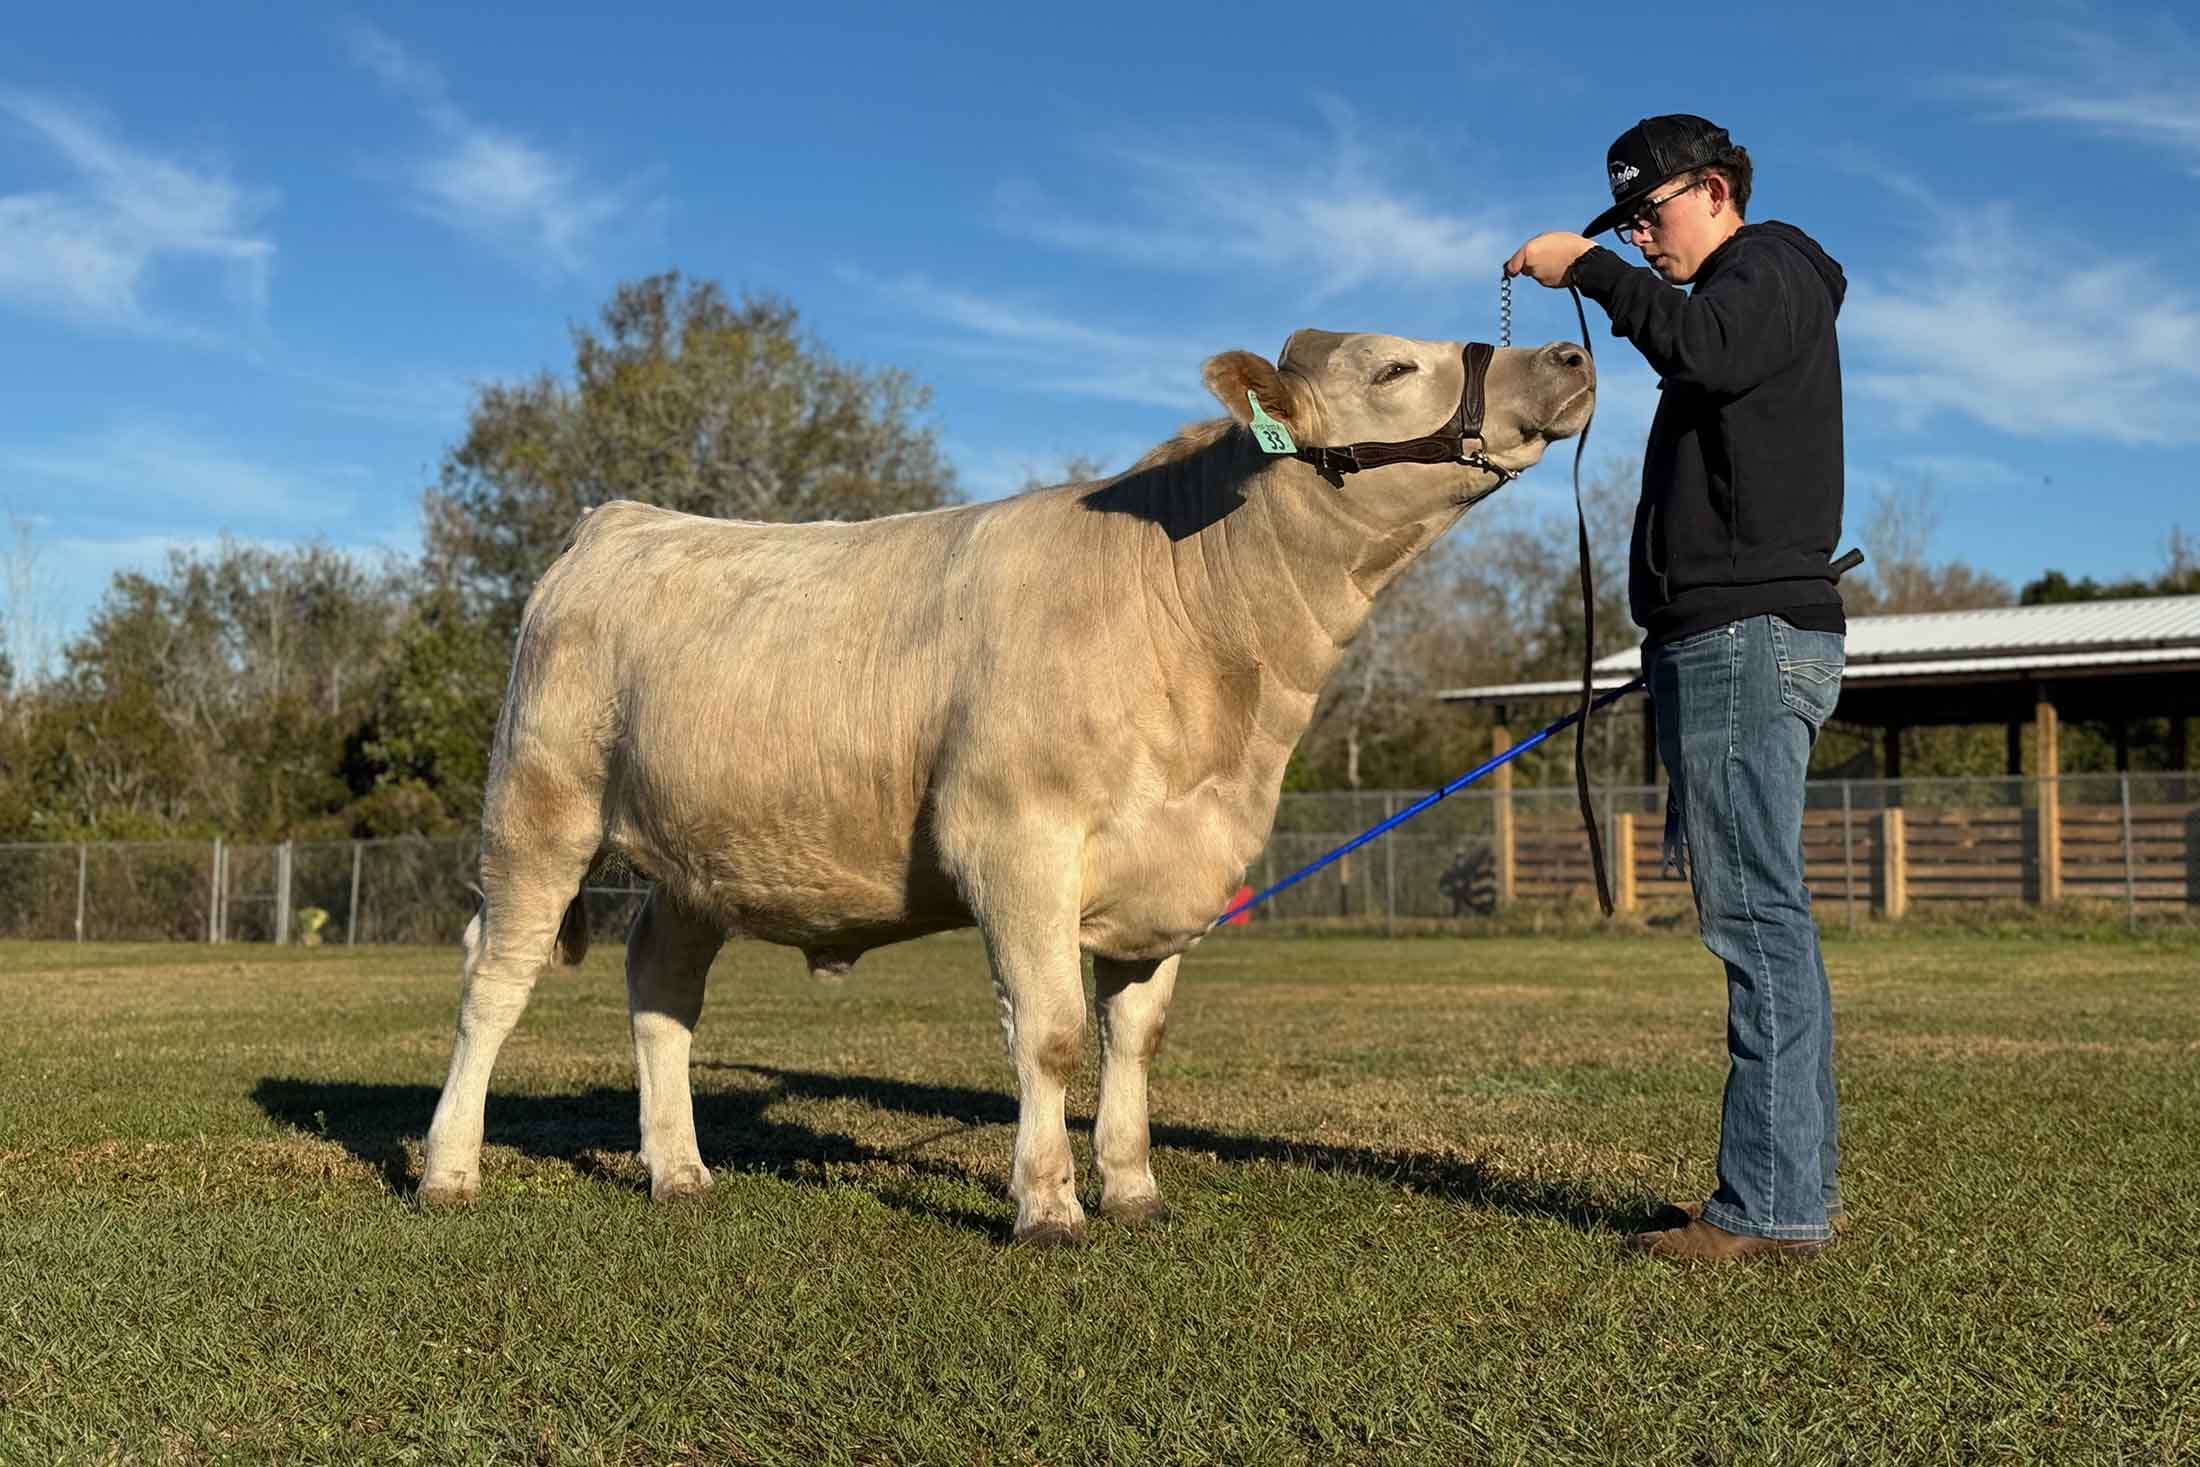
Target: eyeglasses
x,y
1645,219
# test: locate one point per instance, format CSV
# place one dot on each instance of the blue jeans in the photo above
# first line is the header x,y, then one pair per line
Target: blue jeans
x,y
1738,708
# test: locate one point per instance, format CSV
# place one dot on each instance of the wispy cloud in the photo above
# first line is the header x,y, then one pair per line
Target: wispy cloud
x,y
1320,213
154,469
2143,89
1958,471
489,184
2033,336
89,251
1054,354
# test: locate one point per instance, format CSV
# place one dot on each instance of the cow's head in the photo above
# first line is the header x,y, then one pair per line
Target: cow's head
x,y
1332,388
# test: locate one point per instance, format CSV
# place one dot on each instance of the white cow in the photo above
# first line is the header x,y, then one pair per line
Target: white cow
x,y
1062,717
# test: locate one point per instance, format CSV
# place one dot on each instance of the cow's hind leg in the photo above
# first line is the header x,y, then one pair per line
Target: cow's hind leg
x,y
1030,930
508,944
1134,1009
540,837
668,956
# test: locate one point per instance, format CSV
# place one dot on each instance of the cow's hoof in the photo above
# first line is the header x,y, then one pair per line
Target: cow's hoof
x,y
682,1185
448,1190
1052,1235
1139,1212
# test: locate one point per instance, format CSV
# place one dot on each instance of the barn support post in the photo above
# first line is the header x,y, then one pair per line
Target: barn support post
x,y
1624,897
2047,771
1894,865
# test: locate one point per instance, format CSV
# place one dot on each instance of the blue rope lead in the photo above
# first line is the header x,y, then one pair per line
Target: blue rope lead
x,y
1422,804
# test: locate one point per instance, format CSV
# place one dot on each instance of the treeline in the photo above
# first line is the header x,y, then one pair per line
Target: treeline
x,y
304,692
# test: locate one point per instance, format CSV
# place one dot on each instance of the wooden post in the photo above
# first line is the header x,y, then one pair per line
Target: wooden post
x,y
1894,750
214,896
1623,861
1501,809
82,862
2015,733
1894,864
2047,771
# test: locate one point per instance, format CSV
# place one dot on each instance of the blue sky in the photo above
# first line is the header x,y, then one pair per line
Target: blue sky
x,y
253,259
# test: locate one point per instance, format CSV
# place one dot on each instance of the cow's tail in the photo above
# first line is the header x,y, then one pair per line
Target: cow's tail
x,y
572,940
573,931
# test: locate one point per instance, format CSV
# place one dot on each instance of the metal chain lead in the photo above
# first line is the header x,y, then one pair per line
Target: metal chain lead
x,y
1504,310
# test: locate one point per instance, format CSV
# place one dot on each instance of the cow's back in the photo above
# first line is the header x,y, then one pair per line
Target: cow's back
x,y
776,706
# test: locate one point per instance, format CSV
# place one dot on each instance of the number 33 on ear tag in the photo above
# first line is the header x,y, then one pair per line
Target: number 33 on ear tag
x,y
1272,435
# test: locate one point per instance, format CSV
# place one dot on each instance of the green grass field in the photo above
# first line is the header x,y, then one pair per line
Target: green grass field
x,y
1400,1171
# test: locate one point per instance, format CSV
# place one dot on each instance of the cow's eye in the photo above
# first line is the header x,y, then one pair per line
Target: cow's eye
x,y
1393,372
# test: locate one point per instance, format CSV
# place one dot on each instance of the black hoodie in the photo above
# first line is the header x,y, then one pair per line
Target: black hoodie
x,y
1742,477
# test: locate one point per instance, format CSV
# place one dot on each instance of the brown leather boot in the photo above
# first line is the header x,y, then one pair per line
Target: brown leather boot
x,y
1702,1242
1672,1215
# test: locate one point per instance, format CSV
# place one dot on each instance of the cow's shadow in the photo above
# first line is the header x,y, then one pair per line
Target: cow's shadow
x,y
738,1133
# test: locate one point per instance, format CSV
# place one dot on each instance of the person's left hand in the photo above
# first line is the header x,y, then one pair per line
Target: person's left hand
x,y
1546,258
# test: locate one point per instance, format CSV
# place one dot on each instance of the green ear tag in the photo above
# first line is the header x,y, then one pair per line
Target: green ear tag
x,y
1273,435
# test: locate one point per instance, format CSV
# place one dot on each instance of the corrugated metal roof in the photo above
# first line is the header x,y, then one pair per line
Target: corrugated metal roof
x,y
2155,621
2011,639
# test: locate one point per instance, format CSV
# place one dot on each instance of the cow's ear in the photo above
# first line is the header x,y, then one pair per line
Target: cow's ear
x,y
1233,374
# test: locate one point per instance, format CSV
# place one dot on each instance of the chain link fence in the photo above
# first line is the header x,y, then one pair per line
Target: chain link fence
x,y
1881,847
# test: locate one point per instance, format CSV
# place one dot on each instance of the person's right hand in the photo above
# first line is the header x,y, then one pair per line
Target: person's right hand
x,y
1546,258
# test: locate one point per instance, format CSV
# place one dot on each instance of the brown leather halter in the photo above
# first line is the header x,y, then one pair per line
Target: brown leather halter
x,y
1447,445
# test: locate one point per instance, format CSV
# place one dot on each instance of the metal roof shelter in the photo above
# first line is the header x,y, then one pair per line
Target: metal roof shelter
x,y
2102,661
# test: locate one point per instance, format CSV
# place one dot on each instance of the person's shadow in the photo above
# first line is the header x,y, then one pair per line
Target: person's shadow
x,y
373,1121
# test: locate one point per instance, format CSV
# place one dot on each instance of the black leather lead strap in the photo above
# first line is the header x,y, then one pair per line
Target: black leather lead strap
x,y
1588,653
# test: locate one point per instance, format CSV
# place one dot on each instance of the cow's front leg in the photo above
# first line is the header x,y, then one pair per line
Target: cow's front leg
x,y
1038,981
1134,1009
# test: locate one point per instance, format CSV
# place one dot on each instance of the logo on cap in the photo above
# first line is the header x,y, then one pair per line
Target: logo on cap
x,y
1623,174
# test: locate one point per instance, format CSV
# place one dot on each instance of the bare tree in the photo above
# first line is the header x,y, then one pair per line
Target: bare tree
x,y
1075,468
27,647
1899,572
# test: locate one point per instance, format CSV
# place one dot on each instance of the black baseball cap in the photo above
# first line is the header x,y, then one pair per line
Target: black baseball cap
x,y
1649,153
